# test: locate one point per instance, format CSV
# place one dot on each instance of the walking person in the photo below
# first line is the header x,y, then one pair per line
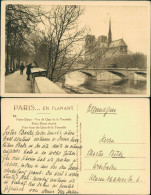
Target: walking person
x,y
22,67
28,71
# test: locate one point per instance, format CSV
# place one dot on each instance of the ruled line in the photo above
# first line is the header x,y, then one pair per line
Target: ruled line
x,y
114,157
136,157
113,182
122,143
114,169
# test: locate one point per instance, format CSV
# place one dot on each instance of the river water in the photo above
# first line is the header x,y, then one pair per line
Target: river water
x,y
127,86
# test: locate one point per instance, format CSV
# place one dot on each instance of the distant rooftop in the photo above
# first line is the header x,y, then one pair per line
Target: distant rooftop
x,y
117,43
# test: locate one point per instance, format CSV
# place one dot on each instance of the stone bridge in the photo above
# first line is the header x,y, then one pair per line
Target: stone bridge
x,y
119,72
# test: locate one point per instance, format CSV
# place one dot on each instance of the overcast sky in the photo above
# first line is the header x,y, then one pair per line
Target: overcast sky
x,y
129,22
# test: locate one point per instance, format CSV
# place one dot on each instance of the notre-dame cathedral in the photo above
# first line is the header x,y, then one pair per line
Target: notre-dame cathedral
x,y
104,46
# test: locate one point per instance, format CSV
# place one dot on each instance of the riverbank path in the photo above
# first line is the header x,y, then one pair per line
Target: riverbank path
x,y
16,83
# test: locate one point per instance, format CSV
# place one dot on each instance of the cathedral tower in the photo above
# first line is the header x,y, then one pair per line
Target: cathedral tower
x,y
109,33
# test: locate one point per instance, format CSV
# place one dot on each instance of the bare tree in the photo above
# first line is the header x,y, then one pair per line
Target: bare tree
x,y
64,38
61,46
21,20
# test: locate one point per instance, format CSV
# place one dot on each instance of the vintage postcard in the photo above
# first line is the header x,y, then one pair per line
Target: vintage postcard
x,y
80,146
72,49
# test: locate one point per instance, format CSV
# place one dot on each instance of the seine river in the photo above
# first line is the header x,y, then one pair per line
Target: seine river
x,y
116,87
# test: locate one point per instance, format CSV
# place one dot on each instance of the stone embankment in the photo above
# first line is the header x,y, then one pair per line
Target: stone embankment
x,y
75,90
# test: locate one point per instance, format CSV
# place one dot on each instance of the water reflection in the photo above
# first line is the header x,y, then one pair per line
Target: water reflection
x,y
125,86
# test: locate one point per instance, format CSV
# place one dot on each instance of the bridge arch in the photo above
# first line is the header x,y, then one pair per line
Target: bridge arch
x,y
88,72
141,73
110,75
117,73
140,76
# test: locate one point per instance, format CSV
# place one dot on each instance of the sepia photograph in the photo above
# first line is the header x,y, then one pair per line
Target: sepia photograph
x,y
97,48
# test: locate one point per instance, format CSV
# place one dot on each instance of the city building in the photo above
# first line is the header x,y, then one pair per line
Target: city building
x,y
104,46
